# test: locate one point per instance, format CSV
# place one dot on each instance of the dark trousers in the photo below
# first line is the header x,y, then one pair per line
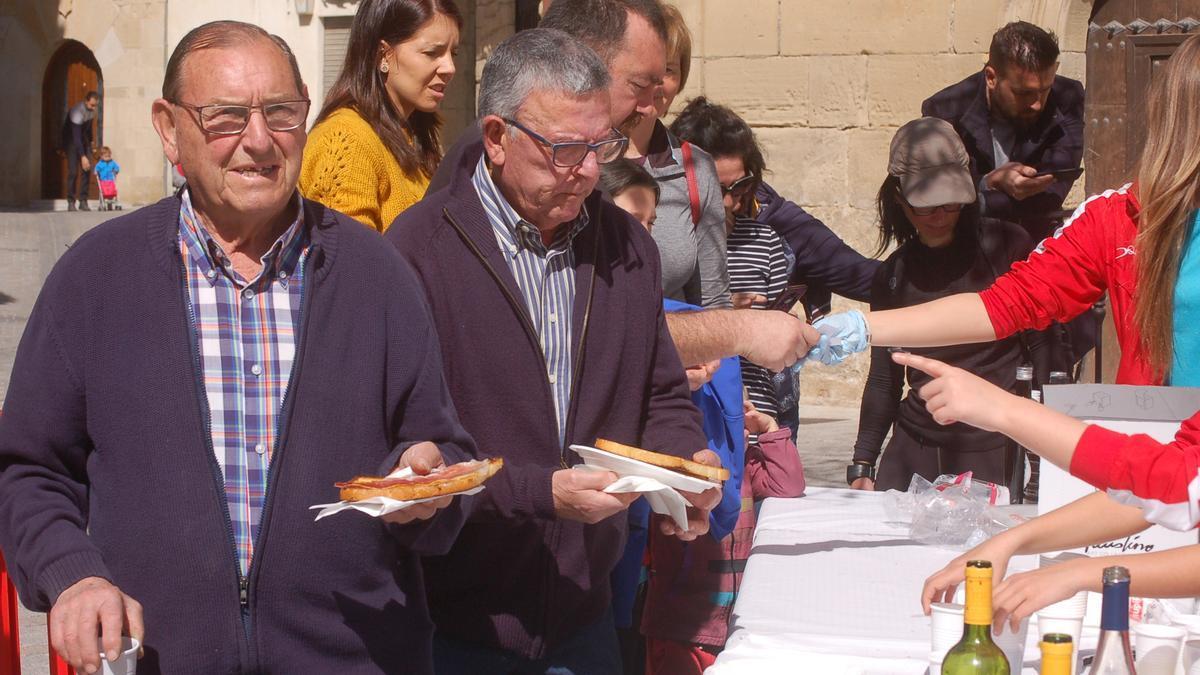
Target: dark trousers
x,y
75,172
591,651
906,455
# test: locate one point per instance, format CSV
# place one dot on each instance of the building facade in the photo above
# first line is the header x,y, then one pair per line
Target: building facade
x,y
824,84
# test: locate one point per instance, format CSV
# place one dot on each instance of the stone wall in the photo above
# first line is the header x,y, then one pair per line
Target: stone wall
x,y
826,85
126,37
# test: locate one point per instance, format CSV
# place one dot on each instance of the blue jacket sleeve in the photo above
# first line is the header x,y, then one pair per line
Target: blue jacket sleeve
x,y
821,255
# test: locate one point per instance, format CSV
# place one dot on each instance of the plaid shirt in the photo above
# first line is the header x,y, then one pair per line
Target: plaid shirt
x,y
546,277
246,332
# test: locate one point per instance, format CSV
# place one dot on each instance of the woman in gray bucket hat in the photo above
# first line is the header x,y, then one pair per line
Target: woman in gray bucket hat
x,y
927,207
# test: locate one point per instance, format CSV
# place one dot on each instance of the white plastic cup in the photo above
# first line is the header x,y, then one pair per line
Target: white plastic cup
x,y
1157,648
946,626
1191,656
127,664
1068,625
1013,645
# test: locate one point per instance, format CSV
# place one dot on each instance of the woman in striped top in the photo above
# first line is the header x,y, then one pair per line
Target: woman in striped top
x,y
759,260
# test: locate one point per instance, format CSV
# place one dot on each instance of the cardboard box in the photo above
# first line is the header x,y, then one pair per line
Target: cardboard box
x,y
1154,411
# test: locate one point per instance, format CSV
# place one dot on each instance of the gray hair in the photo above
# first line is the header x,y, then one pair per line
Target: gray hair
x,y
539,59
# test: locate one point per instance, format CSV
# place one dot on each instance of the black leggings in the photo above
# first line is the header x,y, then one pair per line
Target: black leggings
x,y
906,455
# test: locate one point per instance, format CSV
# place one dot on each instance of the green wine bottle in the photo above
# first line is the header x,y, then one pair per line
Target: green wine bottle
x,y
976,653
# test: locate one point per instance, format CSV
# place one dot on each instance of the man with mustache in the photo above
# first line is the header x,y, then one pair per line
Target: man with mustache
x,y
548,303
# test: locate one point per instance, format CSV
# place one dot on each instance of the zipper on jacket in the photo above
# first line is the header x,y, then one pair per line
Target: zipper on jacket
x,y
244,593
521,310
218,479
577,368
280,428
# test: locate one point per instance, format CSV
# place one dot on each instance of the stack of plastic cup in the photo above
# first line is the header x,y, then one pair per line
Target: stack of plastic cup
x,y
1157,648
1065,616
946,624
126,664
935,662
1189,660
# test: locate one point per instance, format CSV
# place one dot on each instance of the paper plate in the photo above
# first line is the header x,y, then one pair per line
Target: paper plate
x,y
625,466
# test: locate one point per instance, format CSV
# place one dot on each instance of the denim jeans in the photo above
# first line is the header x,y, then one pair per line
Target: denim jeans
x,y
591,651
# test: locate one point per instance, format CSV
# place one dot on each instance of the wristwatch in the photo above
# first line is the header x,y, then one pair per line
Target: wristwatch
x,y
859,470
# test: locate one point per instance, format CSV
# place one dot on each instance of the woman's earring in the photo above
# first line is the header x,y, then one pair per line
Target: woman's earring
x,y
383,67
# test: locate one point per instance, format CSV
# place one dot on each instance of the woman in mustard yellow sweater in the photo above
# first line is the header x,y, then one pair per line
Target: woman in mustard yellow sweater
x,y
376,142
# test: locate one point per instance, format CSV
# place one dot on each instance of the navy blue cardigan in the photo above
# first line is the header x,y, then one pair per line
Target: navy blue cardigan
x,y
518,578
105,466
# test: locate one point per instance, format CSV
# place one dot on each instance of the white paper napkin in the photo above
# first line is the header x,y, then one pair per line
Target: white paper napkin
x,y
380,506
662,499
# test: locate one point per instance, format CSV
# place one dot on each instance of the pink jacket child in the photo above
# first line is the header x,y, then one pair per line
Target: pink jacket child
x,y
692,586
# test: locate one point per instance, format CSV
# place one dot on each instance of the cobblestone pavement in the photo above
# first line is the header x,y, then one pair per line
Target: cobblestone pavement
x,y
30,243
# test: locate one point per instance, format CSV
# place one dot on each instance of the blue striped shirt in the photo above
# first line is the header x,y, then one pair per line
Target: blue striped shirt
x,y
546,277
246,333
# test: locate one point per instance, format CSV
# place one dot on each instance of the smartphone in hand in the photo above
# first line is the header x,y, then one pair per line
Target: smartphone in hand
x,y
790,296
1062,174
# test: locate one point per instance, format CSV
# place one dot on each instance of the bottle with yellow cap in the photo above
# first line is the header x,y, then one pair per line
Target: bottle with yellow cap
x,y
1056,654
976,653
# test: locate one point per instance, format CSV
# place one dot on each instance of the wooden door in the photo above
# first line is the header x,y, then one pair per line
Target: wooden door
x,y
1128,40
71,74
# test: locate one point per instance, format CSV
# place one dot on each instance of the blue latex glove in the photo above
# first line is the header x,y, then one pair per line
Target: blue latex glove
x,y
842,334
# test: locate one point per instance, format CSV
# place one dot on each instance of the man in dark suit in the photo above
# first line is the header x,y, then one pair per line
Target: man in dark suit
x,y
1020,121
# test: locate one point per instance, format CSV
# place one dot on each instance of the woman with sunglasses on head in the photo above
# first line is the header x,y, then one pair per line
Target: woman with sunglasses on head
x,y
376,142
927,206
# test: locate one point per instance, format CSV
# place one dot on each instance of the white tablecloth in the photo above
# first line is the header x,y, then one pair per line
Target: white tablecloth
x,y
830,588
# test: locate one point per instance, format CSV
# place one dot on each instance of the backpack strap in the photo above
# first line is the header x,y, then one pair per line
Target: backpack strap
x,y
689,170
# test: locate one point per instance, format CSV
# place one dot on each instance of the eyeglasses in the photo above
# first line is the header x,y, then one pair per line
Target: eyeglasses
x,y
572,153
740,187
230,120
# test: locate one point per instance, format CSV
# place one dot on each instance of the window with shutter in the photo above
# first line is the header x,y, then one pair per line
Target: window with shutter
x,y
337,37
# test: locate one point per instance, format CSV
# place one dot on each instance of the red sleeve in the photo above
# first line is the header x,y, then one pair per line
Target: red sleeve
x,y
1063,276
1159,478
774,467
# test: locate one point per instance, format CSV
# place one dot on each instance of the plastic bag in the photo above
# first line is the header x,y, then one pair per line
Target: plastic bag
x,y
952,511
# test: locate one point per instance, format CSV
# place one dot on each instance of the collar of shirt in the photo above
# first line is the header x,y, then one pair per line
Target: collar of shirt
x,y
662,148
514,232
279,262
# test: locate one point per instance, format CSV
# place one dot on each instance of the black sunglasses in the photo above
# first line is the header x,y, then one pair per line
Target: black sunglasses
x,y
740,187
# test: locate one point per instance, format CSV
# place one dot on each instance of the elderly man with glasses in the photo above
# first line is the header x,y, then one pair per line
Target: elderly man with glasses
x,y
200,372
548,303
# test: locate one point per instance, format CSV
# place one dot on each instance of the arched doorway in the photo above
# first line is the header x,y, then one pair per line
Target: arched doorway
x,y
71,74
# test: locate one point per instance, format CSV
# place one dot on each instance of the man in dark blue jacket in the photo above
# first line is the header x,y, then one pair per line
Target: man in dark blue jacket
x,y
196,375
1020,121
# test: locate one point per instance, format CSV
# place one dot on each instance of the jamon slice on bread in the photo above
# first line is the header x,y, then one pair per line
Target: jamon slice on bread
x,y
447,480
687,467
